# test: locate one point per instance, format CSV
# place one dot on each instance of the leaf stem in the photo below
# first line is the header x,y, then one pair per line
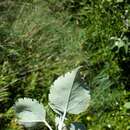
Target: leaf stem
x,y
62,121
46,123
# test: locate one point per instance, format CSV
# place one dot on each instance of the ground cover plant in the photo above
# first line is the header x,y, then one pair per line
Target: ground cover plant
x,y
68,94
41,40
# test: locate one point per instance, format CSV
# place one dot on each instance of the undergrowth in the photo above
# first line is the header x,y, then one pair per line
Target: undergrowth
x,y
41,40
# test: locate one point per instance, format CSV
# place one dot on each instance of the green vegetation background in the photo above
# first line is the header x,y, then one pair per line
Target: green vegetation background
x,y
40,40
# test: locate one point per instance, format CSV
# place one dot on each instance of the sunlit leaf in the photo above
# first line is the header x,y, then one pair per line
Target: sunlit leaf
x,y
127,105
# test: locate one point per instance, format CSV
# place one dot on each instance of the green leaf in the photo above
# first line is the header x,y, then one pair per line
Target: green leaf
x,y
29,112
3,93
118,1
68,93
127,105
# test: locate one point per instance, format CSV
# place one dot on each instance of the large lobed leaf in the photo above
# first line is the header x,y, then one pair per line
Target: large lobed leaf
x,y
68,93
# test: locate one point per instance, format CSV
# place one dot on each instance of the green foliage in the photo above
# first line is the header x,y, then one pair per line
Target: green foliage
x,y
3,93
127,105
40,40
67,95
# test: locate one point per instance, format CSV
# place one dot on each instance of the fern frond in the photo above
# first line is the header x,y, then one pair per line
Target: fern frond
x,y
3,93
